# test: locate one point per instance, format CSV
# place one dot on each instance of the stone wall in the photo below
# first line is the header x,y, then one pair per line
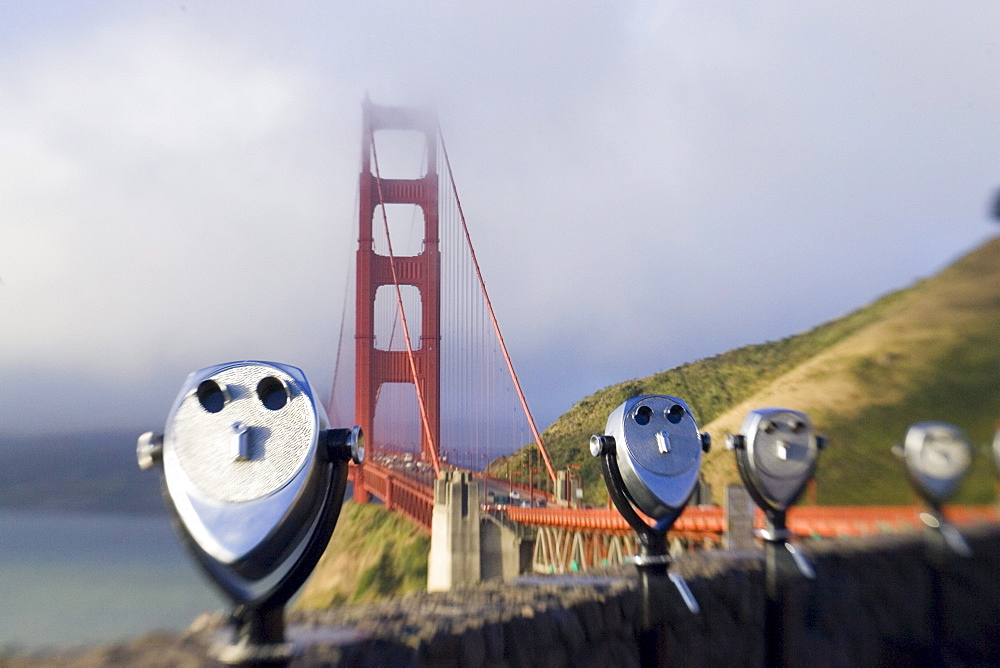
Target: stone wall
x,y
890,600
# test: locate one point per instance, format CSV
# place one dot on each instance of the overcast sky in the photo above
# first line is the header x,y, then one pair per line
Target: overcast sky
x,y
647,183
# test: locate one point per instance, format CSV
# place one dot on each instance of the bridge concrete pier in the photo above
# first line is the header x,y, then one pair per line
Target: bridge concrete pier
x,y
506,549
454,560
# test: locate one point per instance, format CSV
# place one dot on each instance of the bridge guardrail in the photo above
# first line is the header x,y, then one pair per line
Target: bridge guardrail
x,y
805,521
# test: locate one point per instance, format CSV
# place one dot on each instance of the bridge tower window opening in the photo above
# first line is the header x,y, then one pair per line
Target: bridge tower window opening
x,y
402,154
406,229
397,422
389,326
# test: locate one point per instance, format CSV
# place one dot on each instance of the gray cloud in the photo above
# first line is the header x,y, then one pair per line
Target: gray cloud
x,y
646,184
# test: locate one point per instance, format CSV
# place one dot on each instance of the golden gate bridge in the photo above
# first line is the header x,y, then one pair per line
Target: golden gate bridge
x,y
423,367
433,384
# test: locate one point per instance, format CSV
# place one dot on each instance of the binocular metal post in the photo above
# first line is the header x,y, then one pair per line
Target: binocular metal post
x,y
783,563
943,533
258,636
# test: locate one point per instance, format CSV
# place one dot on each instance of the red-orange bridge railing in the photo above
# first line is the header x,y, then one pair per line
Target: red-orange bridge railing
x,y
708,522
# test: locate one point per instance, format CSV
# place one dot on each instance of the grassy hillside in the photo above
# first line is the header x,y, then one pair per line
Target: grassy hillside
x,y
373,553
931,351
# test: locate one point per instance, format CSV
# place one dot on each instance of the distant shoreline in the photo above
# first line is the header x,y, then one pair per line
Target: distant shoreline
x,y
85,472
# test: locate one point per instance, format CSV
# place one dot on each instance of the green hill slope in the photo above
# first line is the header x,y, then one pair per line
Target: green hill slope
x,y
373,553
931,351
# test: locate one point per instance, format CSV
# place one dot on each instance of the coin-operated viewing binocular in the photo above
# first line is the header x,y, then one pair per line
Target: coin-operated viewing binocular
x,y
255,480
650,456
937,456
776,453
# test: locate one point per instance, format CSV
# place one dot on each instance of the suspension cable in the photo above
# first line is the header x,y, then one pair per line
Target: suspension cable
x,y
493,318
332,413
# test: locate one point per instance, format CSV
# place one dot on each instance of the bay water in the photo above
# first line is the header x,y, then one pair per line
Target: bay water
x,y
69,579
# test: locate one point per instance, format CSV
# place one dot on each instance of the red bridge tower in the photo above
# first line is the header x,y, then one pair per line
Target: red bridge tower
x,y
420,363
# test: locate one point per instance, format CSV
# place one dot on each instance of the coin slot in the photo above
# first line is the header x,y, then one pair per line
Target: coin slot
x,y
272,393
211,396
241,442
